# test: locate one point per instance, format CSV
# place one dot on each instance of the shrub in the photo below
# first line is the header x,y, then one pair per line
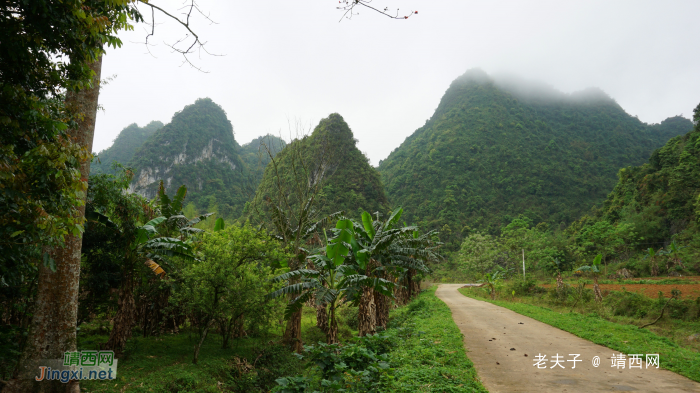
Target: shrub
x,y
630,304
523,287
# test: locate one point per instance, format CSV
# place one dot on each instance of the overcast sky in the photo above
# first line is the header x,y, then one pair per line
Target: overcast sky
x,y
293,60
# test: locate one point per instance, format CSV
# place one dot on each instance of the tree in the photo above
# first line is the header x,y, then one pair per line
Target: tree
x,y
674,259
227,286
288,205
653,265
332,280
120,213
595,271
491,280
383,248
34,35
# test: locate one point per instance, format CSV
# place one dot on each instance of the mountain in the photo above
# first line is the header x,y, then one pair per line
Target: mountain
x,y
255,154
349,182
197,148
662,197
122,150
495,149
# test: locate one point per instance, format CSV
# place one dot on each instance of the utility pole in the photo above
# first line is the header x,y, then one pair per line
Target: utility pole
x,y
523,263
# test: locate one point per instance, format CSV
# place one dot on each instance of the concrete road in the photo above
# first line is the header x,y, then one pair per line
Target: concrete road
x,y
506,347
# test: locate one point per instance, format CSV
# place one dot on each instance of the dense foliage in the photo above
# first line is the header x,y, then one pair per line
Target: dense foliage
x,y
196,149
662,197
256,154
494,151
44,49
349,182
129,140
647,225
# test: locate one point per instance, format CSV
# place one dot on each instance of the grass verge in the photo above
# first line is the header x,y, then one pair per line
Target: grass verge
x,y
429,355
626,339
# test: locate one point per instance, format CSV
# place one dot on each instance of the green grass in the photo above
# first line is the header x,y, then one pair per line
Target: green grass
x,y
164,364
624,338
430,355
663,281
427,355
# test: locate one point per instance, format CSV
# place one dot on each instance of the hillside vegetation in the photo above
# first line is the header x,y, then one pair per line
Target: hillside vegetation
x,y
662,197
196,149
255,154
129,140
349,182
493,151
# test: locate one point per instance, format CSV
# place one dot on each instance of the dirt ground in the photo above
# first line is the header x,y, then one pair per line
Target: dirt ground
x,y
688,291
505,345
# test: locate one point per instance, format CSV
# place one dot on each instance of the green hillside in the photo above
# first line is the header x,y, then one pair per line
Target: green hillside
x,y
492,151
197,149
349,182
255,155
662,197
124,146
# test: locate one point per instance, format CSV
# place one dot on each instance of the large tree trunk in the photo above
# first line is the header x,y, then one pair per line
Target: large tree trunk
x,y
560,282
322,318
332,331
401,292
381,303
125,318
292,334
367,323
53,327
596,290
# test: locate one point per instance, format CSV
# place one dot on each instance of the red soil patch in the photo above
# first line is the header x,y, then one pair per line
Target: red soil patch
x,y
688,291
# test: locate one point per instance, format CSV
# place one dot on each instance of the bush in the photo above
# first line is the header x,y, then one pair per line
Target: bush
x,y
630,304
271,362
343,368
560,295
523,287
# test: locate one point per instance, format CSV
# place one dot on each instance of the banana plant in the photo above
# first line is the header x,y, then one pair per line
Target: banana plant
x,y
652,254
674,257
595,271
331,281
491,280
148,243
381,248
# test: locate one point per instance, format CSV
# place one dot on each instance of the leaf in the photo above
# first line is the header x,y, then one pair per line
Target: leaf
x,y
157,270
338,249
597,259
154,222
92,215
219,225
179,197
395,216
199,219
368,224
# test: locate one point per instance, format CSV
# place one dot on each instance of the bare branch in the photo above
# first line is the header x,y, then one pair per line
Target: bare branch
x,y
349,7
196,43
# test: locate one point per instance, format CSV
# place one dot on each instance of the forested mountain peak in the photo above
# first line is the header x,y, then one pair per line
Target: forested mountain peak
x,y
350,183
496,149
124,146
256,153
661,198
197,149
